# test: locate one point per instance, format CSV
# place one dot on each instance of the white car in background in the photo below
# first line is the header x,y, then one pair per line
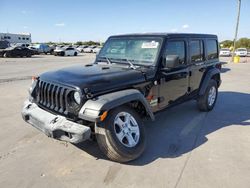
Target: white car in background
x,y
225,52
89,49
81,48
242,52
68,51
96,50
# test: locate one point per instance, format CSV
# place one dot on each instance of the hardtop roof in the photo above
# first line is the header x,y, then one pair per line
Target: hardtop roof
x,y
188,35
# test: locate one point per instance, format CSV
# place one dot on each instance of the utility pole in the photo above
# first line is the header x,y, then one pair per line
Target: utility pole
x,y
237,26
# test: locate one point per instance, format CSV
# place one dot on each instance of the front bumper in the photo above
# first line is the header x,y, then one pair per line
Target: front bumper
x,y
54,126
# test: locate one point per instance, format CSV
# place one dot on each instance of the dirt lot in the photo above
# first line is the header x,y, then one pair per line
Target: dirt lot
x,y
186,148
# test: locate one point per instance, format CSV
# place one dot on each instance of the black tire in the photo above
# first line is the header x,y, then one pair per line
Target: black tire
x,y
75,54
109,143
28,55
203,100
62,53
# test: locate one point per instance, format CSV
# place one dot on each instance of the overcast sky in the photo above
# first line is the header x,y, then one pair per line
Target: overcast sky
x,y
80,20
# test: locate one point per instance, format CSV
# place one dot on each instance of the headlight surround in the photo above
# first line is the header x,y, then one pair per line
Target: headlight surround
x,y
33,85
77,97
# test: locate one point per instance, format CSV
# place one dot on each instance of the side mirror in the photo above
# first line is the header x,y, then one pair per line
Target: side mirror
x,y
171,61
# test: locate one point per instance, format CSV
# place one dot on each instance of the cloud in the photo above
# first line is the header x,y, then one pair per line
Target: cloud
x,y
174,30
185,26
25,27
60,24
23,11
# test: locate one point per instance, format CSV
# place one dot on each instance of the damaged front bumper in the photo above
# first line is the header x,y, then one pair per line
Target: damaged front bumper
x,y
54,126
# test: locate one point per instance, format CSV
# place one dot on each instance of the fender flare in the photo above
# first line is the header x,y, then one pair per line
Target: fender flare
x,y
92,108
206,80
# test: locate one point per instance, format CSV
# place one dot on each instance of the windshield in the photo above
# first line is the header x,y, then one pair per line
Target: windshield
x,y
241,50
225,49
138,49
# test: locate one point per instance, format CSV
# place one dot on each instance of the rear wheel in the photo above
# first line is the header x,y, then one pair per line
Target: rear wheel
x,y
121,137
207,101
75,54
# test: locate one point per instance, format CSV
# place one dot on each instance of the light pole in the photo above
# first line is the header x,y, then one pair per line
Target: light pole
x,y
236,28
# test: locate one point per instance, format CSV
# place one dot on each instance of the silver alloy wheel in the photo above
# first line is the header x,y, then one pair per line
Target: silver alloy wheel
x,y
212,95
126,129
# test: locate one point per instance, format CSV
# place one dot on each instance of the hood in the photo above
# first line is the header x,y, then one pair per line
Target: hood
x,y
97,78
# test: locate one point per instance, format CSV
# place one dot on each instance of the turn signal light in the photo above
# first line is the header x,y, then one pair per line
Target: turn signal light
x,y
103,116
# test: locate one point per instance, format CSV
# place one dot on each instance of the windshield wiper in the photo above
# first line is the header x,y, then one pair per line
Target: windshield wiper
x,y
106,58
130,63
110,62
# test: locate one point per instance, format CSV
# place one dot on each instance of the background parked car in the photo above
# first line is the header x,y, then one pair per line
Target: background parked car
x,y
225,52
96,50
17,51
69,51
81,48
43,48
242,52
34,50
89,49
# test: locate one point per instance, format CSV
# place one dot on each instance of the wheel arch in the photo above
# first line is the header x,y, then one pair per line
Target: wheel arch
x,y
92,109
211,74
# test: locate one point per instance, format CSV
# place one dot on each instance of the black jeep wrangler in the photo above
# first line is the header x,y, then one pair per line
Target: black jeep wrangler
x,y
133,77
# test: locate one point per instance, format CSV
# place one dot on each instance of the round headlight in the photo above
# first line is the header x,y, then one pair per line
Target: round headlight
x,y
77,97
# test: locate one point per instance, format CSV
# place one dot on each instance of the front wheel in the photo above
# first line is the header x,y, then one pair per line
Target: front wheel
x,y
207,101
75,54
121,137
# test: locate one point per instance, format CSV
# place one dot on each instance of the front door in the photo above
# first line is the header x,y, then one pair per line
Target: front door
x,y
174,81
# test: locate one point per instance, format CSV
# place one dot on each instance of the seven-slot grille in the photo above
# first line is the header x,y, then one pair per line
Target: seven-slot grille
x,y
53,96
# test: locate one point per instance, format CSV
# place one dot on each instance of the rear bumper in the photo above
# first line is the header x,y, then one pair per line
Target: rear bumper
x,y
54,126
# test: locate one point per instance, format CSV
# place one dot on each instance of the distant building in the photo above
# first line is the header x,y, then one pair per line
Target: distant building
x,y
24,38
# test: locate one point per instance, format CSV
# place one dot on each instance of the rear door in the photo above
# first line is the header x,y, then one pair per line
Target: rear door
x,y
197,63
71,51
67,51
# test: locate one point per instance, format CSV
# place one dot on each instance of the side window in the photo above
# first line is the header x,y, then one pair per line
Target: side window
x,y
196,51
176,48
212,49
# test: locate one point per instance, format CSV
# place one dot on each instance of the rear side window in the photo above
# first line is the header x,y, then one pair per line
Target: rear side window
x,y
196,51
212,49
176,48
